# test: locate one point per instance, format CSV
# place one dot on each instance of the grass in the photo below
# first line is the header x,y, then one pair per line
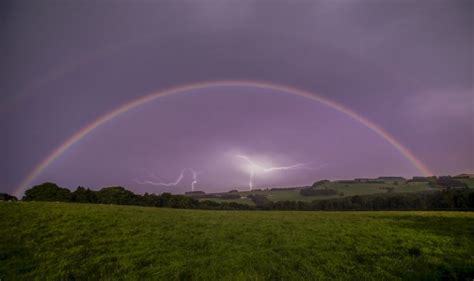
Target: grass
x,y
61,241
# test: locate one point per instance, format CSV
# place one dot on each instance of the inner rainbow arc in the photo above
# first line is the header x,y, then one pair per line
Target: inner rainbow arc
x,y
26,182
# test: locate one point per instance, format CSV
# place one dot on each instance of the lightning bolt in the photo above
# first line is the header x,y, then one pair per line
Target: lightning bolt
x,y
194,182
176,182
254,168
284,167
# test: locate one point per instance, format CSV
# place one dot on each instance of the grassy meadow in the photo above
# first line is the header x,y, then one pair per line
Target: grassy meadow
x,y
66,241
344,190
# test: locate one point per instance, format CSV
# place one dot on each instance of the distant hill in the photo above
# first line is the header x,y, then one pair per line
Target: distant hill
x,y
469,176
305,197
325,189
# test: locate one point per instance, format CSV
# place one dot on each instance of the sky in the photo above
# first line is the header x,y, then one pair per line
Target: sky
x,y
406,66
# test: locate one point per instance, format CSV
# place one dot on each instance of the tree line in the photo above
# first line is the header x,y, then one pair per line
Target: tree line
x,y
448,199
120,196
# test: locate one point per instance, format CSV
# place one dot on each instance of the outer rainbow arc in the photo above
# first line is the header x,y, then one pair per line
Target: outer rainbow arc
x,y
25,183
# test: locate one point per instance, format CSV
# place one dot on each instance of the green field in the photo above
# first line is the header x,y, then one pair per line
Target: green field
x,y
343,189
58,241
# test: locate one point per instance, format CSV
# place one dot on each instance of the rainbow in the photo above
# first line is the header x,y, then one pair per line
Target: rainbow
x,y
27,181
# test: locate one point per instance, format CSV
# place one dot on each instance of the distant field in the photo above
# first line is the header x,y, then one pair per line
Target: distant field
x,y
343,189
468,181
245,200
58,241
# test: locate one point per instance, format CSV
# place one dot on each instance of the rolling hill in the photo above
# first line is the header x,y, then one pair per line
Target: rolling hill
x,y
342,188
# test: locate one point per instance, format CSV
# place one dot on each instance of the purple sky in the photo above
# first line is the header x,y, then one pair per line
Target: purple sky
x,y
405,65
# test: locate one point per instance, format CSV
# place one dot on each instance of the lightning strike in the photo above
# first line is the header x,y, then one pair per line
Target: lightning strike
x,y
194,182
255,168
176,182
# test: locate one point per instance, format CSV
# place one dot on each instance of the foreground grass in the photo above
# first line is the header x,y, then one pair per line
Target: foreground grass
x,y
57,241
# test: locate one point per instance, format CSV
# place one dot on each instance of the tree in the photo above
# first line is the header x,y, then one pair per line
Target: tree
x,y
446,199
260,200
117,195
7,197
82,195
48,191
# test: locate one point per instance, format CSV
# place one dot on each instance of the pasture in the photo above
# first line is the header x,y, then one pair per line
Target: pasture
x,y
67,241
343,190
